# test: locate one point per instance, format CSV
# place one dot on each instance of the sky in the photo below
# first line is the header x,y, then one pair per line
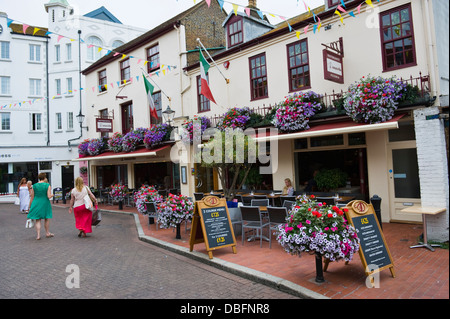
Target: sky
x,y
145,14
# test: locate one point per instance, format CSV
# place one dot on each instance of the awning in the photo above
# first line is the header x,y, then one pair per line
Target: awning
x,y
335,129
142,152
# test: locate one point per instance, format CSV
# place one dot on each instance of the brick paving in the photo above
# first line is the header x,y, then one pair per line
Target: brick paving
x,y
420,273
113,263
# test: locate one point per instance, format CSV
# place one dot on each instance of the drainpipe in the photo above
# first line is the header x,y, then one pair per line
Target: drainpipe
x,y
48,92
430,45
79,66
180,70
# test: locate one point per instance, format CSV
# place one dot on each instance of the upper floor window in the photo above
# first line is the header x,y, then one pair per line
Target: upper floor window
x,y
117,44
35,53
5,85
298,65
127,118
58,86
397,38
35,87
57,53
158,105
35,122
235,33
69,51
93,52
153,58
102,87
125,71
202,102
69,83
258,77
6,121
70,120
58,121
4,50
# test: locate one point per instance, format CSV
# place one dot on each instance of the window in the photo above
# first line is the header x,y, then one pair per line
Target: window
x,y
125,72
58,121
35,122
258,77
57,53
69,51
203,103
69,86
397,38
58,86
6,121
4,50
35,87
158,105
93,53
333,3
117,44
35,53
5,85
127,118
153,58
298,64
70,120
235,35
102,81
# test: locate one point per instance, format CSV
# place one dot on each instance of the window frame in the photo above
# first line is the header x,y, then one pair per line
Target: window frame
x,y
5,50
35,87
235,21
254,97
35,122
302,65
35,53
68,52
201,99
102,81
70,121
157,99
57,53
7,82
58,121
5,121
392,40
151,67
123,69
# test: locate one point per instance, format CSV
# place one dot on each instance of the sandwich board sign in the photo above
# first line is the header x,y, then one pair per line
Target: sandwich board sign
x,y
212,225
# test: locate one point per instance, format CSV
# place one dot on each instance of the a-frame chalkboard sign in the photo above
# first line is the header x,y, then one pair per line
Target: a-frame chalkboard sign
x,y
373,249
211,224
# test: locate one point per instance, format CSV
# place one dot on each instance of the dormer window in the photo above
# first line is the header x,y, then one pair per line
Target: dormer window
x,y
235,31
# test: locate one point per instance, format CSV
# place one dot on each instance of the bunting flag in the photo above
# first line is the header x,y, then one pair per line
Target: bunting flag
x,y
204,68
149,90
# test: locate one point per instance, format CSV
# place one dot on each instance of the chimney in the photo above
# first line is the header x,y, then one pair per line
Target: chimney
x,y
252,4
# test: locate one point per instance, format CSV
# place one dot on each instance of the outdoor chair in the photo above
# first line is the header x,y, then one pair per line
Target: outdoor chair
x,y
277,216
239,198
247,200
152,212
173,191
198,196
163,193
252,219
288,204
284,198
259,196
260,202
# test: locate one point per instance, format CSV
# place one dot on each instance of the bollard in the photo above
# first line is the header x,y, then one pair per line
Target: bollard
x,y
376,202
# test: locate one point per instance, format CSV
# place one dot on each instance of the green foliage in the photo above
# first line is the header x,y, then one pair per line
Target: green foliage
x,y
327,179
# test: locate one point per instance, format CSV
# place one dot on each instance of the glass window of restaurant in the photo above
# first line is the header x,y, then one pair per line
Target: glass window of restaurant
x,y
111,174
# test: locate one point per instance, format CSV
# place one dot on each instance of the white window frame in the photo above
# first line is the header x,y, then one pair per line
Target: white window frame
x,y
5,50
57,53
69,52
69,121
5,124
58,118
5,85
35,87
58,87
35,53
69,83
35,122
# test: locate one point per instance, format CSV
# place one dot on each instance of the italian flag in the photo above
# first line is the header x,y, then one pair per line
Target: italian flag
x,y
149,89
204,67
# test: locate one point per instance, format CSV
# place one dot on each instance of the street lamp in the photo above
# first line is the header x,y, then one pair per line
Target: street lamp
x,y
168,114
80,119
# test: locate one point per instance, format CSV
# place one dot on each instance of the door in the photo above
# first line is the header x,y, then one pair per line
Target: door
x,y
127,118
67,177
404,182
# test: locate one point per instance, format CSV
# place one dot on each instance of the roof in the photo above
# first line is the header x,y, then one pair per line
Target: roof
x,y
252,17
18,29
102,14
144,39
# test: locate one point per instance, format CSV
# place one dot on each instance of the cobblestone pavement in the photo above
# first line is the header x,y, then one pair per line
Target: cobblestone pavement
x,y
112,263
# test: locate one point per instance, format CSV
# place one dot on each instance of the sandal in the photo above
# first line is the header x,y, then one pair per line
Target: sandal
x,y
49,235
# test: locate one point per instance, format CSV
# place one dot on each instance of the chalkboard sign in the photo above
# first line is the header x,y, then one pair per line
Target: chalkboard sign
x,y
57,194
216,231
373,251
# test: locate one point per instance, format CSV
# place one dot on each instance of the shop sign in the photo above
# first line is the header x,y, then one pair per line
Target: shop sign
x,y
333,66
104,125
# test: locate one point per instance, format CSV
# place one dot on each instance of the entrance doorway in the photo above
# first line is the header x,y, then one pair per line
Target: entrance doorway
x,y
67,177
205,179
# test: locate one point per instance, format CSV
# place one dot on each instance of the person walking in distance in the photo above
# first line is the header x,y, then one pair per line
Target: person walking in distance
x,y
23,192
83,216
40,207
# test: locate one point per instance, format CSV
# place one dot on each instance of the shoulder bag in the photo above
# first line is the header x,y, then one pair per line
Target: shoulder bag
x,y
88,202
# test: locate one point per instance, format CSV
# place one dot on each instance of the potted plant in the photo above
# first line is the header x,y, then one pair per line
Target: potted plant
x,y
318,229
156,135
83,148
174,210
294,112
96,146
115,142
83,170
235,118
133,139
118,193
146,194
328,179
373,99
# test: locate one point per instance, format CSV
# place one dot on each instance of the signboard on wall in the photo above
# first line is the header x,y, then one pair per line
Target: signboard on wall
x,y
333,67
104,125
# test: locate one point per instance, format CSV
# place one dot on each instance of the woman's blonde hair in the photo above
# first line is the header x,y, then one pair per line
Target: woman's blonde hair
x,y
79,184
288,180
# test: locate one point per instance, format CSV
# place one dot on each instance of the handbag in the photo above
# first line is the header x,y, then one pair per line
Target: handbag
x,y
29,224
17,201
96,217
88,202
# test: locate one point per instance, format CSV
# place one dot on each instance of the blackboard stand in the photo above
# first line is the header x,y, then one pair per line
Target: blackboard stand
x,y
373,250
212,225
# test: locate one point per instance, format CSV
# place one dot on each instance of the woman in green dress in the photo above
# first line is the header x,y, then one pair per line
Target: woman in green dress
x,y
40,207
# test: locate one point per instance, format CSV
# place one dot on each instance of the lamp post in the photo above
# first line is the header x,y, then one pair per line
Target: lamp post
x,y
80,119
168,114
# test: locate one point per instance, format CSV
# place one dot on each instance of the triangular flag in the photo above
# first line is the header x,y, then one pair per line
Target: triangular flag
x,y
221,4
25,27
247,11
149,90
60,37
204,68
260,14
208,2
369,2
35,30
297,34
9,21
306,29
235,8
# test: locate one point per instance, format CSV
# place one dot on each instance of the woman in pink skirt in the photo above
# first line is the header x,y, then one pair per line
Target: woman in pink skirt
x,y
83,216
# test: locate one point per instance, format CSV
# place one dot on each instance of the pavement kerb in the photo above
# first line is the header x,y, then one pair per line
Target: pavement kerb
x,y
245,272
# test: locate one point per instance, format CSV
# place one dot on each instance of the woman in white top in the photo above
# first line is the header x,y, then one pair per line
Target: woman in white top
x,y
23,192
83,216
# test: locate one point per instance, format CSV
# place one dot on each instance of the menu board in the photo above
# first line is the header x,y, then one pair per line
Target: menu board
x,y
211,224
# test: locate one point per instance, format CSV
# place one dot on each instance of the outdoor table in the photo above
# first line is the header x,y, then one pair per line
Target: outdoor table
x,y
424,211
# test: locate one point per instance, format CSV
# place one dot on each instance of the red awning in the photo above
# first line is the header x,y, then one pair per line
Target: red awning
x,y
141,152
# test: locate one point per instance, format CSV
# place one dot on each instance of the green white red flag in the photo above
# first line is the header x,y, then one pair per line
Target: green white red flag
x,y
149,89
204,67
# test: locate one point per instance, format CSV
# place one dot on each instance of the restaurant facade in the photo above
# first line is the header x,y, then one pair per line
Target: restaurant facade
x,y
403,160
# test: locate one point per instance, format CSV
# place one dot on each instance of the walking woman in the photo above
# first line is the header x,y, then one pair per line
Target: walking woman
x,y
23,192
40,207
83,216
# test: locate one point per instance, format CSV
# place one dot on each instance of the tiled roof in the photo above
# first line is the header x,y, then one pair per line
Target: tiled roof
x,y
18,29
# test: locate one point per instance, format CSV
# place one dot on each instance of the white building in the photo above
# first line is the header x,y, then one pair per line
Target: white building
x,y
40,95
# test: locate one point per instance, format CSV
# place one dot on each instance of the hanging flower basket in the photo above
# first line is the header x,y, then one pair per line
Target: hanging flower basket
x,y
294,112
235,118
96,146
156,135
133,139
83,148
146,194
174,210
198,125
373,99
318,229
115,142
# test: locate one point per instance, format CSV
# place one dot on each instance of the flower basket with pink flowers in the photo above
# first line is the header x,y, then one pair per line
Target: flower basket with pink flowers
x,y
144,195
174,210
